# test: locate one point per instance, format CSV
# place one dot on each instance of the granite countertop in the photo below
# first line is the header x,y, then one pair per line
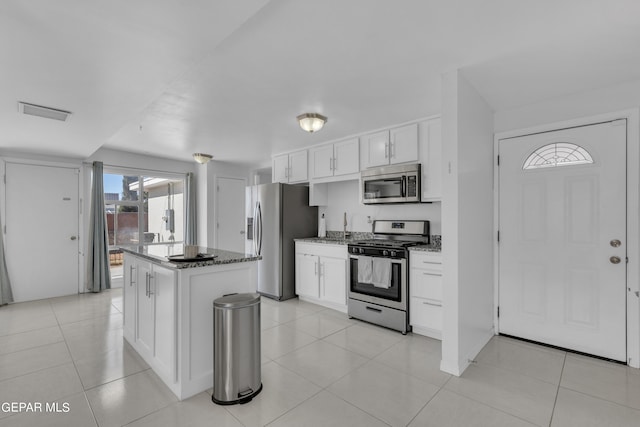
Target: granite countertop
x,y
325,240
426,248
159,254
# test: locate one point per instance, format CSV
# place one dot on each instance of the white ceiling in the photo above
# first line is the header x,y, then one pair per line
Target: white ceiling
x,y
229,77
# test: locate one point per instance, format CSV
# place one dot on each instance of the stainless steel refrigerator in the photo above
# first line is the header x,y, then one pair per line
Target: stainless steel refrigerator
x,y
277,214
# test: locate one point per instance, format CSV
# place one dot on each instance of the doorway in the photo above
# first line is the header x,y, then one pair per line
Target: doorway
x,y
563,238
42,230
230,205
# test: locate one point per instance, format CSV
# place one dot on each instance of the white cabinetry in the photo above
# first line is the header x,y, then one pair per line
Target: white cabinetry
x,y
389,147
150,307
321,274
425,292
290,168
431,159
340,158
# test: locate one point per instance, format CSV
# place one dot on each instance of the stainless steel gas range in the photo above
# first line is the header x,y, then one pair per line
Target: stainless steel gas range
x,y
379,273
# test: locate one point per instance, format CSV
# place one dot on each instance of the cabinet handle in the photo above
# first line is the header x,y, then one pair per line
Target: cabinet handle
x,y
392,150
154,285
330,164
146,284
131,276
335,162
386,150
432,304
315,271
431,274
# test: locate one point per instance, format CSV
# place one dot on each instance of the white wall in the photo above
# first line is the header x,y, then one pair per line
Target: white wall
x,y
345,197
467,213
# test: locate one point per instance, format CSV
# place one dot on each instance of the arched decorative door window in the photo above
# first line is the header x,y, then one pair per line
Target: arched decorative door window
x,y
557,154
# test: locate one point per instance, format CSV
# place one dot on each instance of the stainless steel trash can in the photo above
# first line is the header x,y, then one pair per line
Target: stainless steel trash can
x,y
236,348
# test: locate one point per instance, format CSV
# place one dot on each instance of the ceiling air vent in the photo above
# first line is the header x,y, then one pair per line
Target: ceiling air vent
x,y
46,112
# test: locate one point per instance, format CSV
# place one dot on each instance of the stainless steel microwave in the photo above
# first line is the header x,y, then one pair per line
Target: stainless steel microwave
x,y
391,184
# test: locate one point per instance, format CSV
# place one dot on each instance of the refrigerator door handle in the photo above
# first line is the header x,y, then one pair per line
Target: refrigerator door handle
x,y
260,229
255,229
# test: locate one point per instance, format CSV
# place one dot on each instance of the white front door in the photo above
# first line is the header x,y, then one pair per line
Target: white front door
x,y
42,220
562,247
230,208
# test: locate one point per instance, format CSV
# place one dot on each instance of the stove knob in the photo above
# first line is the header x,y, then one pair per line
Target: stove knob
x,y
361,250
394,253
385,252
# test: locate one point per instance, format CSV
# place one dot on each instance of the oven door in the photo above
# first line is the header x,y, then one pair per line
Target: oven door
x,y
395,296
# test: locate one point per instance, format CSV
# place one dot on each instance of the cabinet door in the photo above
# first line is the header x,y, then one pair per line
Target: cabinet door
x,y
129,298
334,280
321,159
346,157
144,320
404,144
376,149
307,275
281,168
298,166
431,159
165,322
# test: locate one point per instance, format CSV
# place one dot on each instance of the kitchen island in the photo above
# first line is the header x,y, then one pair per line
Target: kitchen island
x,y
168,308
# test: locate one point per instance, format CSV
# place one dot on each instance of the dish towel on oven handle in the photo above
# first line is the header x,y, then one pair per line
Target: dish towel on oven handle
x,y
365,269
381,273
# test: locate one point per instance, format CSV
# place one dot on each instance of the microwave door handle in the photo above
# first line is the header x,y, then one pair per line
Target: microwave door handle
x,y
404,186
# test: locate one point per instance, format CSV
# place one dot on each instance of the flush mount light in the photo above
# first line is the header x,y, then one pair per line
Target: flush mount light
x,y
311,122
42,111
202,158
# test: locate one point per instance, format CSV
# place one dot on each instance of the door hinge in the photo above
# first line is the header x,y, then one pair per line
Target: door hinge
x,y
498,311
498,236
498,160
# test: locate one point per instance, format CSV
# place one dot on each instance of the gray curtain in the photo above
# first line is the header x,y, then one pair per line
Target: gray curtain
x,y
6,296
98,276
191,234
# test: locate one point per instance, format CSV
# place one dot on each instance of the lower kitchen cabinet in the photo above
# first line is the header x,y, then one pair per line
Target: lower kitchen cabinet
x,y
425,292
321,274
150,312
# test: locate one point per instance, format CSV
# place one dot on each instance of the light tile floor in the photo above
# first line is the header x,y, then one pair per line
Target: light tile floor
x,y
319,369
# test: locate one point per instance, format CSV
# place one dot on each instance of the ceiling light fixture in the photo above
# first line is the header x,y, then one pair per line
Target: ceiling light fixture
x,y
202,158
311,122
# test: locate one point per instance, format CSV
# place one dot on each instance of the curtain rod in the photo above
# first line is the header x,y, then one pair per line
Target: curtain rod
x,y
134,169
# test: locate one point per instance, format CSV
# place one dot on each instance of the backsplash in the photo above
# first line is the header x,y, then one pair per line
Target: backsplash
x,y
435,239
355,235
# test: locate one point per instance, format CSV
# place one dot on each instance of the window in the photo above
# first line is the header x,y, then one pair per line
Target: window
x,y
557,154
142,210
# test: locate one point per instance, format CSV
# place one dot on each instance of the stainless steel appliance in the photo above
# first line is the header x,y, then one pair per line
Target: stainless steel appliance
x,y
277,214
391,184
385,304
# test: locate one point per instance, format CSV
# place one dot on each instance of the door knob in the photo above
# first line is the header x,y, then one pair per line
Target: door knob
x,y
73,237
241,231
614,260
615,243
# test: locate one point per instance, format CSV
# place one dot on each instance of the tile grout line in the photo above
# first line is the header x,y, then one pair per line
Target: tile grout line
x,y
555,401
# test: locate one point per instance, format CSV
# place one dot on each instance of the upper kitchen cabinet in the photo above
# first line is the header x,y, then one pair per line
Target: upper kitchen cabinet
x,y
430,132
340,158
390,147
290,167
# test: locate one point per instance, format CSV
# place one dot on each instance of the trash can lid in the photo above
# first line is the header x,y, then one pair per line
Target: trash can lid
x,y
237,300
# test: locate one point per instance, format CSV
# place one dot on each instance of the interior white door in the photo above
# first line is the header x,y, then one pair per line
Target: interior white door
x,y
42,226
230,208
562,245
